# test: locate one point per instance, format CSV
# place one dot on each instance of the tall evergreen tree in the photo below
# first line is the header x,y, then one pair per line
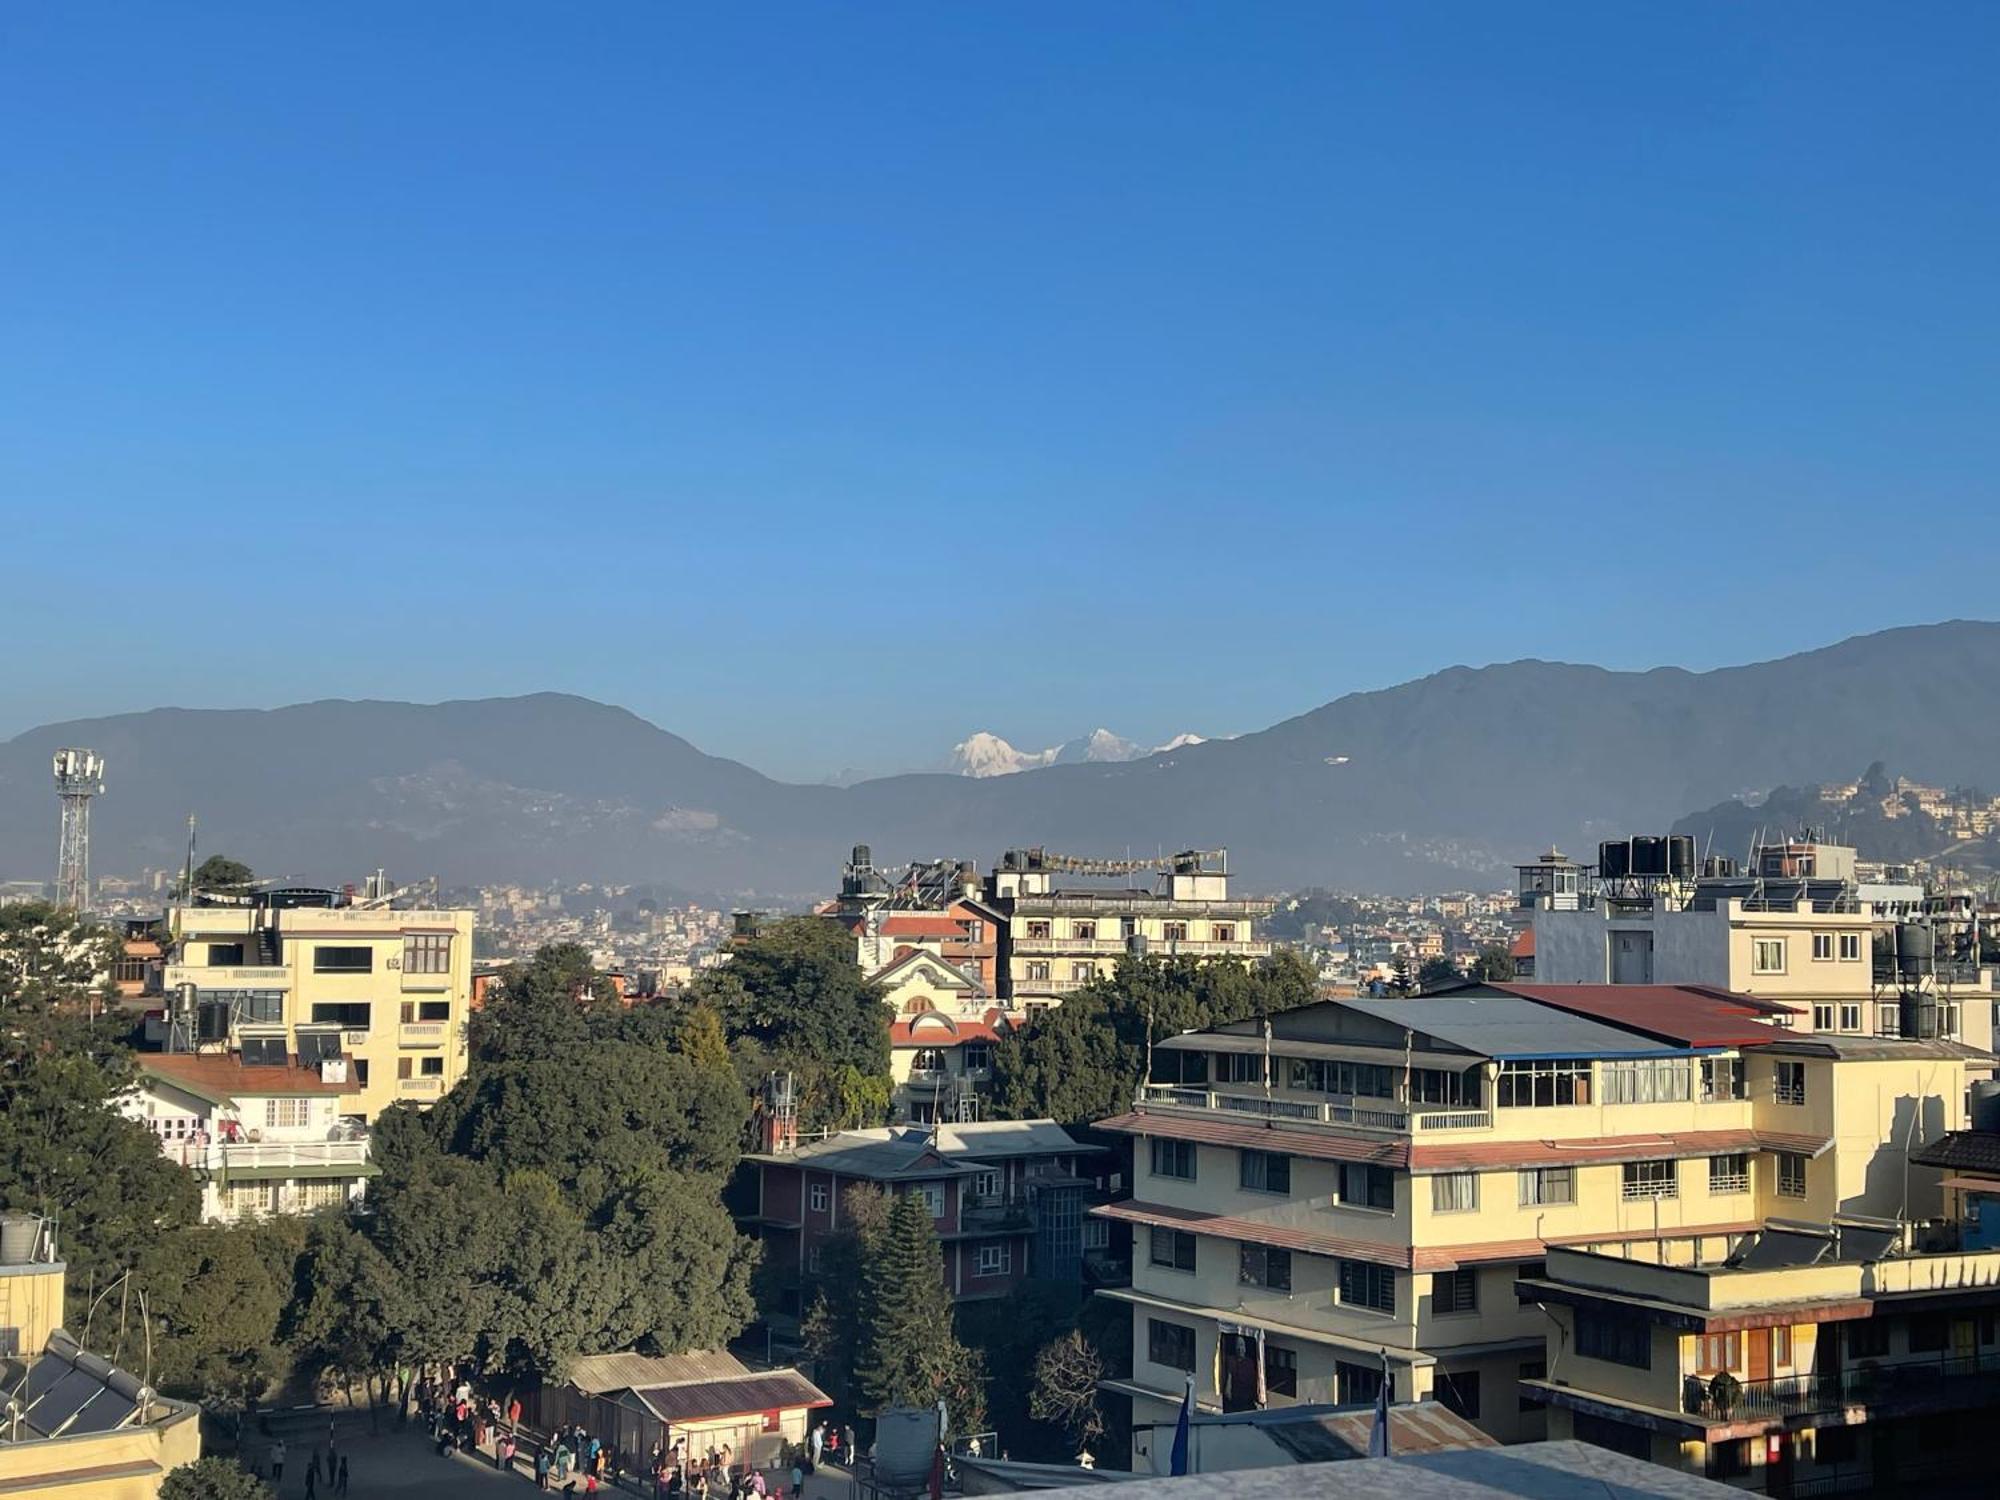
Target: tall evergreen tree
x,y
912,1355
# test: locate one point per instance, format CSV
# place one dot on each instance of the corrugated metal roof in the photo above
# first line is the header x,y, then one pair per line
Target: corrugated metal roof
x,y
776,1390
595,1373
1875,1048
1672,1013
1506,1026
1963,1151
1281,1047
1321,1145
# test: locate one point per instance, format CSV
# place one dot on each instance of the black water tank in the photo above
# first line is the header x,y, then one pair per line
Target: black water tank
x,y
1614,859
1680,856
1649,854
1913,948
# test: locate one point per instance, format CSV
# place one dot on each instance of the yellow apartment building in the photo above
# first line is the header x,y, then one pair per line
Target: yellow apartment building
x,y
1849,1356
75,1425
1369,1178
301,974
1058,938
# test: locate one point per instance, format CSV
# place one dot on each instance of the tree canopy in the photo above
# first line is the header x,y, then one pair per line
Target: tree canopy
x,y
910,1354
224,875
1436,973
1083,1060
213,1478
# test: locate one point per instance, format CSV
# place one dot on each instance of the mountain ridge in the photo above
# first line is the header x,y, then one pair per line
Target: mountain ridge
x,y
1441,781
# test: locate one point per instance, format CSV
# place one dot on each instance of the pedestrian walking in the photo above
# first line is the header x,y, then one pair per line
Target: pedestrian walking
x,y
330,1454
278,1461
818,1441
340,1479
542,1467
312,1477
798,1482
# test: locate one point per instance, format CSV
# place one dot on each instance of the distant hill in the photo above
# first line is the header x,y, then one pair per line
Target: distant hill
x,y
1884,822
1439,782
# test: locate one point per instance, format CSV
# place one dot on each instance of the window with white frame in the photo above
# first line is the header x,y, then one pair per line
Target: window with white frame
x,y
1096,1234
996,1259
1082,971
1222,932
986,1183
1036,970
1454,1192
1729,1174
1767,955
427,953
1721,1078
318,1193
818,1196
933,1197
287,1114
1652,1179
1850,947
1083,931
1822,1016
1822,947
1850,1017
1664,1080
1788,1083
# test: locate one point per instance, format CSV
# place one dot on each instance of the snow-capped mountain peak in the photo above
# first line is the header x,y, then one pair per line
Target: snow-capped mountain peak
x,y
987,754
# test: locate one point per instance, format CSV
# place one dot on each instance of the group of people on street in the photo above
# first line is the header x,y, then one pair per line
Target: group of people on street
x,y
329,1457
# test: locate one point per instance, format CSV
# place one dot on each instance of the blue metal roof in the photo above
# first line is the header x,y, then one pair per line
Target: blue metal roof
x,y
1510,1029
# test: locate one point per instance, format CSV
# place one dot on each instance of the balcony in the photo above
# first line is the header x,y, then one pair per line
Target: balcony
x,y
993,1211
1114,947
430,1087
1353,1114
1940,1383
228,977
235,1156
423,1033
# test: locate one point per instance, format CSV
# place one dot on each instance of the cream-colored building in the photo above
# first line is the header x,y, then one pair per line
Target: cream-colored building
x,y
1822,1358
1058,938
259,1140
74,1425
388,990
1369,1180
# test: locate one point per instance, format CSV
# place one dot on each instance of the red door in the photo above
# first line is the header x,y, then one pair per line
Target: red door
x,y
1759,1349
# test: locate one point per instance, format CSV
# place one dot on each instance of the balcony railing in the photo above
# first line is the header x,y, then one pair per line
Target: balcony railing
x,y
422,1033
1113,947
224,1156
420,1088
1956,1378
993,1211
1362,1114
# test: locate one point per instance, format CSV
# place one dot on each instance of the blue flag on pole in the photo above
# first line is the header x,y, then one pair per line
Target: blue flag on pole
x,y
1179,1462
1378,1439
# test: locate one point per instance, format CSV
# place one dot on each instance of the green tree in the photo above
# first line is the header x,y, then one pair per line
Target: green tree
x,y
1494,964
911,1355
1436,973
539,1007
1400,982
223,875
213,1478
1084,1059
832,1329
217,1295
348,1309
794,997
52,962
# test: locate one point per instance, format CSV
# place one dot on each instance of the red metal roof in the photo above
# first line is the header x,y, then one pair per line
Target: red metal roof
x,y
1676,1013
1318,1144
1466,1155
904,1033
1523,945
915,924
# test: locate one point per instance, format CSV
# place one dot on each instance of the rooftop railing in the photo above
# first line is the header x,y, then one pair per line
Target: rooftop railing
x,y
1361,1114
1953,1378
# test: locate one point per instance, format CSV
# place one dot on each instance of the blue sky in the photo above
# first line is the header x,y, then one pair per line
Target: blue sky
x,y
825,382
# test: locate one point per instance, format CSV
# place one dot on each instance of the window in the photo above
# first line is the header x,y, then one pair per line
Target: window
x,y
1647,1081
986,1183
1791,1175
1355,1384
1259,1265
1822,1017
1222,932
406,1067
927,1060
1174,932
321,1193
1359,1080
1362,1283
1781,1345
933,1194
360,1067
1523,1085
1822,947
1365,1186
1866,1339
1619,1341
1767,955
1173,1159
1082,971
1729,1174
426,1010
343,960
1036,970
1850,1018
1096,1234
1238,1067
995,1260
1454,1192
129,970
978,1056
287,1114
225,955
1455,1291
1541,1186
1789,1083
1439,1086
1266,1172
427,953
1083,931
1170,1344
1716,1352
1652,1179
430,1067
1281,1370
1533,1369
1172,1249
350,1017
1458,1391
1850,947
1038,929
818,1196
813,1258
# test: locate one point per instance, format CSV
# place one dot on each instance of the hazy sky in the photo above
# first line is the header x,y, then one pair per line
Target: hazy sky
x,y
825,382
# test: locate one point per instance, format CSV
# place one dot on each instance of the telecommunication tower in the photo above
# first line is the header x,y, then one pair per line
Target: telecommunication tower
x,y
79,777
